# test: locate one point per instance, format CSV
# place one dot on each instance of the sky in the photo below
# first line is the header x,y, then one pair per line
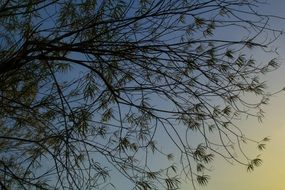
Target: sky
x,y
270,175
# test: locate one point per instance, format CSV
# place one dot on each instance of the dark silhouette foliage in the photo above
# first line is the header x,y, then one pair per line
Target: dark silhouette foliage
x,y
95,89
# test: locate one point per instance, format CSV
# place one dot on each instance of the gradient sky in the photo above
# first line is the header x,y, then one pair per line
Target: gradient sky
x,y
269,176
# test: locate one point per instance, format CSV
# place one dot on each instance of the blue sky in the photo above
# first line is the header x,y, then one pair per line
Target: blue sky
x,y
235,177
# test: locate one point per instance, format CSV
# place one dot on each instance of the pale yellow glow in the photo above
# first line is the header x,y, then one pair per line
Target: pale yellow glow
x,y
269,176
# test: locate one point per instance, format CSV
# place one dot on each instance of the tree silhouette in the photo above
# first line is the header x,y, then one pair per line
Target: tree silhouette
x,y
93,89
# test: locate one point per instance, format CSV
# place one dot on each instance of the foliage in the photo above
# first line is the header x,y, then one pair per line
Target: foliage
x,y
91,89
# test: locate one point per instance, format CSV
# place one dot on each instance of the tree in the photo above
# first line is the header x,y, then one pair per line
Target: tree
x,y
90,89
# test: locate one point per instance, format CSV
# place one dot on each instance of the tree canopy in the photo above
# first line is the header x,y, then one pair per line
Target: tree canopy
x,y
92,89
